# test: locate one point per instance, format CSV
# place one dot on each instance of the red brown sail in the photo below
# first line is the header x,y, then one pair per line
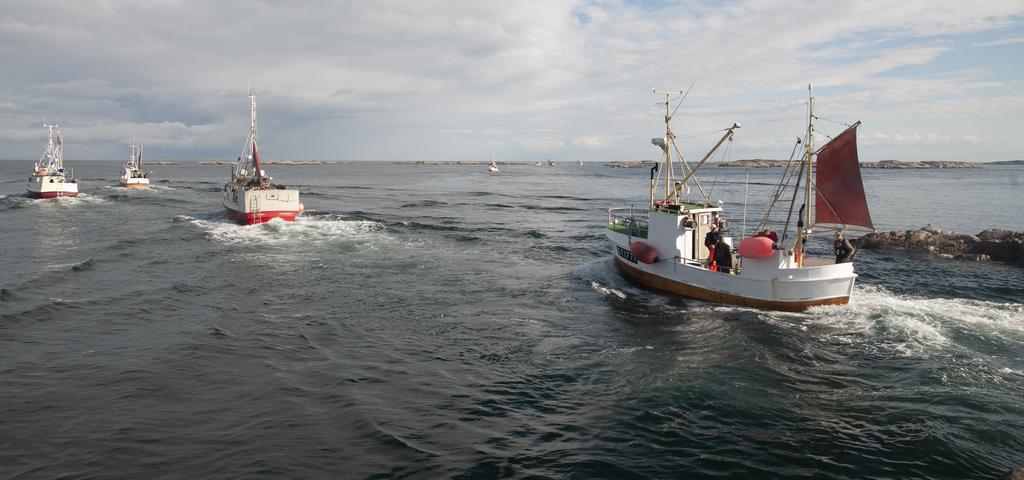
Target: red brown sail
x,y
840,198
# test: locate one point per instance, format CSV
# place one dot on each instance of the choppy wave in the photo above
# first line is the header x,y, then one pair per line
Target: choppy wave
x,y
911,325
320,229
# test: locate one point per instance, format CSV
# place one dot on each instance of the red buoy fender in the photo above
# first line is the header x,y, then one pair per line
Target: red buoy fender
x,y
644,252
756,247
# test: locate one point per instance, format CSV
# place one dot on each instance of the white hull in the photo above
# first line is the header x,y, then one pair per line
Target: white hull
x,y
51,186
775,282
134,181
252,205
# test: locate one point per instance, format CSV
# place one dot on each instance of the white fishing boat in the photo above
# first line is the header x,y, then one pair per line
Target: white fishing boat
x,y
662,247
131,172
493,167
251,196
49,178
538,164
579,163
550,163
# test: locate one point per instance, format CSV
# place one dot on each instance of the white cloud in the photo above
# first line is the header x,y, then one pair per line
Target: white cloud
x,y
1001,42
370,80
588,141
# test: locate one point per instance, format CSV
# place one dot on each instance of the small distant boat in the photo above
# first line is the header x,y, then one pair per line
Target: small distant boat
x,y
579,163
550,163
493,167
49,178
666,246
251,196
538,164
131,172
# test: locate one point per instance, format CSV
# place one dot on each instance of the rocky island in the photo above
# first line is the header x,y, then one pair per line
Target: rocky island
x,y
992,244
898,164
890,164
756,163
632,164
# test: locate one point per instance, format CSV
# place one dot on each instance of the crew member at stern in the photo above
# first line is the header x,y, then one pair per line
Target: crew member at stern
x,y
843,249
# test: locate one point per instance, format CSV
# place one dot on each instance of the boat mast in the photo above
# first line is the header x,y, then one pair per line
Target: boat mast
x,y
132,158
252,136
52,155
669,140
809,149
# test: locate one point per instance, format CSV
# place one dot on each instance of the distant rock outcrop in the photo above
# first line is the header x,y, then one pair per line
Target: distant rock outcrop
x,y
633,164
992,244
273,162
756,163
892,164
1007,162
898,164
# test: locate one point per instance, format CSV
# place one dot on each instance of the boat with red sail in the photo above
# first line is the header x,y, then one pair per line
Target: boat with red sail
x,y
665,247
251,196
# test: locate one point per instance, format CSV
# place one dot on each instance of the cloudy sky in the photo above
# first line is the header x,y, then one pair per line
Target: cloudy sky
x,y
520,80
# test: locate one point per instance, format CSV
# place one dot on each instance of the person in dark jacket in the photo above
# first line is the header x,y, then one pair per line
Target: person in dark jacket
x,y
723,256
843,249
710,240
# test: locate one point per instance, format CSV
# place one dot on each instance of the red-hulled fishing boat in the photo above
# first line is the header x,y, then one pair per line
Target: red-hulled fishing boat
x,y
251,196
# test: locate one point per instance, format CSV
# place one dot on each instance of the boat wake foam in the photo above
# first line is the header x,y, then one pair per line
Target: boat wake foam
x,y
910,325
219,228
23,200
607,291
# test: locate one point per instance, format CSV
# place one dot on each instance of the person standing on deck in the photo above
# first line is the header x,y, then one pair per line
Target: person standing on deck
x,y
723,256
711,240
843,249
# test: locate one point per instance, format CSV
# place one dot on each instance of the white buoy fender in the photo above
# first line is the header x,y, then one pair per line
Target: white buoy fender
x,y
756,247
644,252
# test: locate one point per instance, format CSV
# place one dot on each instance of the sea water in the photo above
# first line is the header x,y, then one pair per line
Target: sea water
x,y
434,321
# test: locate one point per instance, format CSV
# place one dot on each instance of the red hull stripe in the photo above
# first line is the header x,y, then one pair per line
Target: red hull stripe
x,y
32,194
251,218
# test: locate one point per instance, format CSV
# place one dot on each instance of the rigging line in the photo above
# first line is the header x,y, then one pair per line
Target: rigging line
x,y
683,98
784,180
792,202
722,156
696,182
833,121
700,134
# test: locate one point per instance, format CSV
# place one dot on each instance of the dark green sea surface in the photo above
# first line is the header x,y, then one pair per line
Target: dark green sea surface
x,y
436,321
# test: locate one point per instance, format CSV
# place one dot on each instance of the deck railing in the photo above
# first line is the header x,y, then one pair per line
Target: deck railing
x,y
628,222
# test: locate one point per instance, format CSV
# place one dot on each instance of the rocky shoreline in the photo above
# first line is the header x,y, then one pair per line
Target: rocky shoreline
x,y
992,244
